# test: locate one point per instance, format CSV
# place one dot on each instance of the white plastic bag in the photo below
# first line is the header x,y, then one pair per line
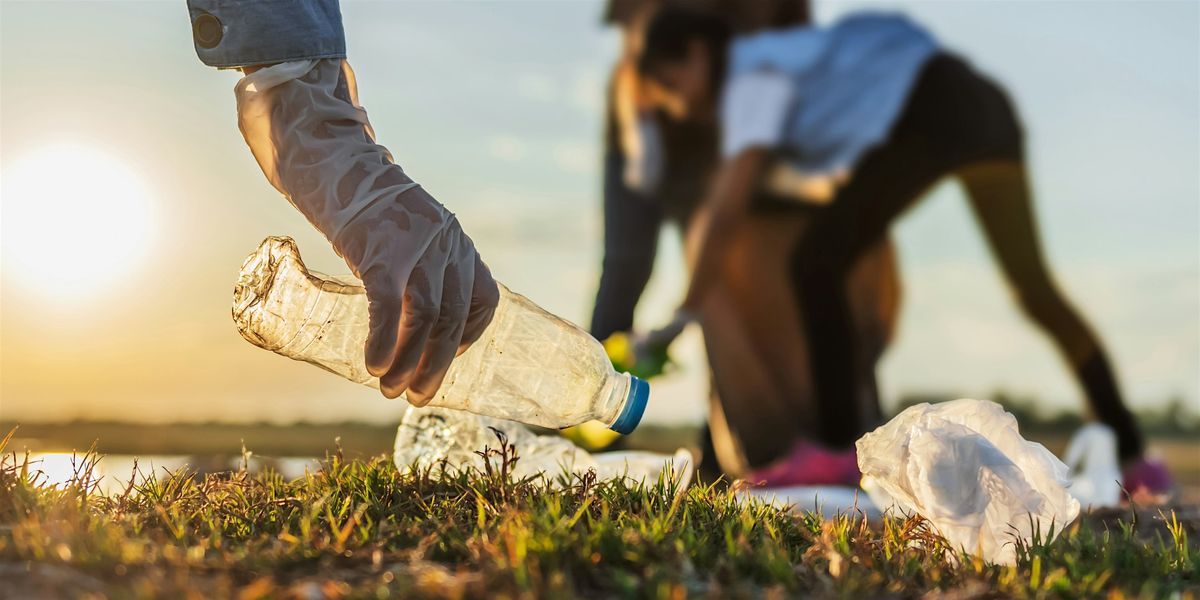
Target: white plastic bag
x,y
1095,469
964,467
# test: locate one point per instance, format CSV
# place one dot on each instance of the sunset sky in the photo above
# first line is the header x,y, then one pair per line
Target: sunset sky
x,y
130,200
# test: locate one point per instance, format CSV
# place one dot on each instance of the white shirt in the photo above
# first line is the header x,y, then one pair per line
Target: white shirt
x,y
755,107
754,111
849,83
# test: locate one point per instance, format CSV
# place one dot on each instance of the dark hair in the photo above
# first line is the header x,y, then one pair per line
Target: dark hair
x,y
673,29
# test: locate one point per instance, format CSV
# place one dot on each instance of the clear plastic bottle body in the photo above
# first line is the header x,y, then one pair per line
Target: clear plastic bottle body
x,y
528,366
430,437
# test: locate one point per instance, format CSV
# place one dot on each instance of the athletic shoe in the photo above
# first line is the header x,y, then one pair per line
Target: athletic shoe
x,y
1146,475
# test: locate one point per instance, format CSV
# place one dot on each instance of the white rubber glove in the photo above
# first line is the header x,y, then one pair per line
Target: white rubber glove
x,y
430,294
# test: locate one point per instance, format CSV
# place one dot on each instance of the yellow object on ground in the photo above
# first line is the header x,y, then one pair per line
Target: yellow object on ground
x,y
594,435
591,436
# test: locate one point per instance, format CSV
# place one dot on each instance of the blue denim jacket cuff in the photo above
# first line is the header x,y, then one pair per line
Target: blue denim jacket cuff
x,y
239,33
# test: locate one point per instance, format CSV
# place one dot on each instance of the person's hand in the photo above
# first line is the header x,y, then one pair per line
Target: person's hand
x,y
645,355
429,297
430,294
654,343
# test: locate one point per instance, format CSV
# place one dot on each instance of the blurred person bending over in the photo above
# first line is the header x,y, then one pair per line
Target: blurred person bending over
x,y
430,294
869,113
656,170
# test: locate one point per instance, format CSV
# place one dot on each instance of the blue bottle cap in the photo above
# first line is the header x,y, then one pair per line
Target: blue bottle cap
x,y
635,407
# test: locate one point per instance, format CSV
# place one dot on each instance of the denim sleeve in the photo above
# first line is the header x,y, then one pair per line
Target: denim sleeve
x,y
238,33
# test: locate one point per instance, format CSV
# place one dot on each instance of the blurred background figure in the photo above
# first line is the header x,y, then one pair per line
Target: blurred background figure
x,y
656,170
872,112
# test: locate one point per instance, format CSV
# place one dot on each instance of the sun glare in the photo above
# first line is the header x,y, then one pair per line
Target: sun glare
x,y
75,220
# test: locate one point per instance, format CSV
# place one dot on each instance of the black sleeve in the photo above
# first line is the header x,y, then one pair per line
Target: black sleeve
x,y
631,226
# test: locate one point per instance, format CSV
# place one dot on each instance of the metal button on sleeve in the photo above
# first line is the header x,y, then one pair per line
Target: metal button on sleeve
x,y
207,31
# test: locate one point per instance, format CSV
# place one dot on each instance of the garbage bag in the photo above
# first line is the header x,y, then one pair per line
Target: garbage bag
x,y
964,467
1095,469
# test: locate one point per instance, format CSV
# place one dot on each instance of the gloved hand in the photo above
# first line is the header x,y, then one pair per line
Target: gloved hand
x,y
658,340
644,355
430,294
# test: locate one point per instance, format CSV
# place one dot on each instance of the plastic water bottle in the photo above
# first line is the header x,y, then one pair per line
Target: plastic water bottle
x,y
528,365
429,437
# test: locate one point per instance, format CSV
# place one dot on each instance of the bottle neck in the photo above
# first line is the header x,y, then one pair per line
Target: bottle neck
x,y
612,397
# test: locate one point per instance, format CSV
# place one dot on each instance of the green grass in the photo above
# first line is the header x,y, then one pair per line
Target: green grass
x,y
364,529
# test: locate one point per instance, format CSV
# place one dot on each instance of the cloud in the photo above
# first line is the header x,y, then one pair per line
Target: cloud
x,y
583,92
538,87
576,157
507,147
587,91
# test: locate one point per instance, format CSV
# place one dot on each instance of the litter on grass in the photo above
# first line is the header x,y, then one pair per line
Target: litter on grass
x,y
1095,469
430,436
964,467
961,465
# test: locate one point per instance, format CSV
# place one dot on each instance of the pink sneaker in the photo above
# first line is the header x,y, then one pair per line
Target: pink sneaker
x,y
1146,475
808,464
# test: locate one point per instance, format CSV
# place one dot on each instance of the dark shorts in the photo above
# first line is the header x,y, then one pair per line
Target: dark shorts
x,y
953,113
963,115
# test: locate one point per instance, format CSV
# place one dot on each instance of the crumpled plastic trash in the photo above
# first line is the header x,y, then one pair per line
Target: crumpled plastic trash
x,y
1095,469
429,435
964,467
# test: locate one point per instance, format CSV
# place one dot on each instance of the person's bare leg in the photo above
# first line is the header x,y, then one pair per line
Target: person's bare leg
x,y
757,343
764,303
873,288
751,420
1000,198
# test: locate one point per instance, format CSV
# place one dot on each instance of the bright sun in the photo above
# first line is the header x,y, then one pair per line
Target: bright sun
x,y
75,220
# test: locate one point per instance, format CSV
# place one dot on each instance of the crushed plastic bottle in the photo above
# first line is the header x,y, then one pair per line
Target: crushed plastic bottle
x,y
964,467
431,436
528,366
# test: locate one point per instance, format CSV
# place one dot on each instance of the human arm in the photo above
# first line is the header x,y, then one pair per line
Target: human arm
x,y
430,294
712,227
754,111
632,216
631,230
